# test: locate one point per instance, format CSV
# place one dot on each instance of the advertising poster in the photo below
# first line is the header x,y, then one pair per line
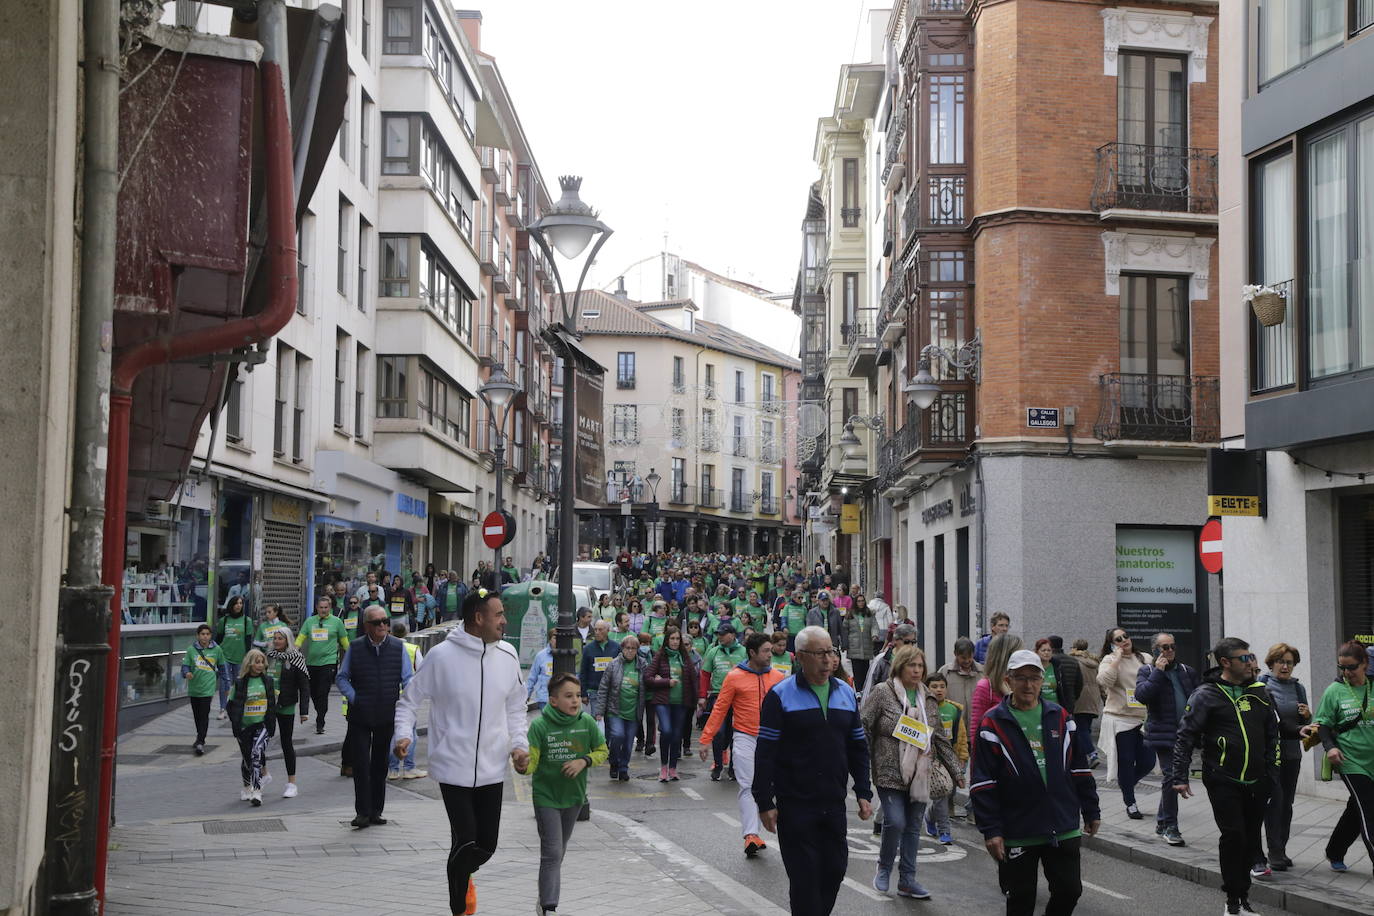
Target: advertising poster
x,y
590,454
1156,588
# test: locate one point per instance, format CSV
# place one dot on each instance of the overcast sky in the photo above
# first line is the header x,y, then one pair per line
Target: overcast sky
x,y
693,119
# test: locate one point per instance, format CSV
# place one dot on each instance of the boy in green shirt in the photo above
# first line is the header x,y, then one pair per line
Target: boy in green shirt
x,y
564,742
203,666
952,723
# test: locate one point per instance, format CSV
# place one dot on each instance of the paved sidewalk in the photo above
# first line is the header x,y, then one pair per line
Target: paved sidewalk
x,y
1309,888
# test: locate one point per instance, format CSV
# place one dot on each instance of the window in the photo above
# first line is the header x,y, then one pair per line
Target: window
x,y
1362,12
399,28
625,370
461,418
305,232
737,489
679,481
849,212
768,451
677,428
364,245
708,429
360,392
345,127
391,386
1152,130
710,381
769,392
233,411
365,33
1292,32
740,450
395,266
1340,235
345,227
625,424
849,404
432,401
396,145
1272,261
766,492
708,483
946,101
1154,325
413,146
281,417
364,135
679,377
443,292
739,386
302,398
341,348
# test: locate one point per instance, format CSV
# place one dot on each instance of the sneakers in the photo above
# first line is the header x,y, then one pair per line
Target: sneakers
x,y
624,775
649,750
914,890
290,790
672,774
1133,812
393,774
198,749
882,879
1338,866
1159,828
415,774
615,775
730,773
715,773
930,828
753,845
662,774
223,714
946,839
1261,871
470,905
1173,837
247,793
255,798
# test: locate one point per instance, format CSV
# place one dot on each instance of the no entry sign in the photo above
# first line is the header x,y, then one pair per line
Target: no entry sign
x,y
498,529
1209,546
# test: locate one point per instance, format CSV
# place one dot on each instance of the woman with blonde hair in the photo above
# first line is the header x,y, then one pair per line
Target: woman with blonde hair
x,y
903,756
253,717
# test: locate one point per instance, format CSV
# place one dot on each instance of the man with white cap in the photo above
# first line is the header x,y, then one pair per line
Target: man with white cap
x,y
1033,793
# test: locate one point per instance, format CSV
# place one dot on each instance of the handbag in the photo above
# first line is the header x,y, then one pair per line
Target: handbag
x,y
941,783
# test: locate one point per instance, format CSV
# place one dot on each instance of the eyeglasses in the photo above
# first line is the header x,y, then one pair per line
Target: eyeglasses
x,y
1026,678
908,642
1165,647
1355,667
380,622
1122,638
1246,657
820,652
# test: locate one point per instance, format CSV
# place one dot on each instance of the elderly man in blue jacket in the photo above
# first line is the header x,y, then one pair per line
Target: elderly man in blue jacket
x,y
1164,687
1033,793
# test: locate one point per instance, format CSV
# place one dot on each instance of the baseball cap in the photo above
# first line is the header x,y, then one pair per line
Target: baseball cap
x,y
725,628
1022,658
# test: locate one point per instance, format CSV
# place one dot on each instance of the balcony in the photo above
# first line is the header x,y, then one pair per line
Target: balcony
x,y
1159,408
501,280
740,503
680,495
709,443
739,449
501,192
486,252
894,163
541,270
936,202
711,498
625,382
515,296
1167,183
892,316
940,7
860,335
491,163
491,349
850,216
768,505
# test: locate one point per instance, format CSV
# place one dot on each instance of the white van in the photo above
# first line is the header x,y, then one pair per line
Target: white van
x,y
603,577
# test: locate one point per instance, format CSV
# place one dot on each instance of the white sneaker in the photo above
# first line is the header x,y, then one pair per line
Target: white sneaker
x,y
393,774
266,777
290,790
246,794
256,798
415,774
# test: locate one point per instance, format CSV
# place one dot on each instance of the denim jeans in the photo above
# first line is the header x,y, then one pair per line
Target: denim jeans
x,y
902,820
620,735
938,812
1134,761
1083,733
1167,815
670,727
227,682
409,763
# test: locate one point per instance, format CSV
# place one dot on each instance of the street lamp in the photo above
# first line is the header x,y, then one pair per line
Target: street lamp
x,y
498,392
923,388
652,479
569,226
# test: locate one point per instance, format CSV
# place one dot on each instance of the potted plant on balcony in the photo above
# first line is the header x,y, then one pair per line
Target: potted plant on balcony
x,y
1270,305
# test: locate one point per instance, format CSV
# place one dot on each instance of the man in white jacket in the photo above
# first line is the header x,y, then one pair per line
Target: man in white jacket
x,y
476,720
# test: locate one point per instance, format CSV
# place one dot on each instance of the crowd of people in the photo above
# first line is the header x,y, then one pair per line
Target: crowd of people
x,y
801,688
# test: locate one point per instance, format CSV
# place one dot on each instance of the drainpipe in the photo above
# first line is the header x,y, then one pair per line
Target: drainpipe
x,y
243,332
83,602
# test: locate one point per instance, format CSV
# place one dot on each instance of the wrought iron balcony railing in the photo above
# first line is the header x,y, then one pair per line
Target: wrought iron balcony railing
x,y
739,502
680,494
849,217
1133,176
1165,408
862,327
896,132
711,498
768,505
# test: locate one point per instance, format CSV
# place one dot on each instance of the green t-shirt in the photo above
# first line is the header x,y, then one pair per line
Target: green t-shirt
x,y
1342,703
322,638
555,738
795,615
740,605
656,625
948,713
274,667
451,600
1032,726
675,669
351,622
911,696
700,644
1049,687
267,628
629,694
204,670
822,692
618,637
236,632
719,660
255,703
783,662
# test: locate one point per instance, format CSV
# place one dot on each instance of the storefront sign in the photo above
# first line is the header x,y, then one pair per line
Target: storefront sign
x,y
590,454
411,505
938,511
1156,587
1235,482
1233,505
849,518
285,509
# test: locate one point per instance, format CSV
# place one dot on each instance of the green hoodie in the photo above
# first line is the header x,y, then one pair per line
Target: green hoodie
x,y
555,738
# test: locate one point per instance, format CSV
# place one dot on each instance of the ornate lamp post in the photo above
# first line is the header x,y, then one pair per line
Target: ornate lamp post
x,y
498,392
652,479
569,227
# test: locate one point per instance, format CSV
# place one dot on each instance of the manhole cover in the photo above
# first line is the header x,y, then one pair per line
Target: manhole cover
x,y
654,776
140,760
264,825
184,749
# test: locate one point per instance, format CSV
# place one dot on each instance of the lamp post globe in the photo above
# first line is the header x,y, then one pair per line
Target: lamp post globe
x,y
849,442
923,388
499,389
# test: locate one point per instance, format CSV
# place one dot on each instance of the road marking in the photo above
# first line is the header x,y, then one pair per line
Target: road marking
x,y
691,793
868,892
1103,890
727,818
697,870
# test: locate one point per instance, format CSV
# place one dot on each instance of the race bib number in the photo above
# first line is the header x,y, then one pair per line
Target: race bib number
x,y
255,708
319,636
203,663
1132,702
948,728
601,663
548,668
913,732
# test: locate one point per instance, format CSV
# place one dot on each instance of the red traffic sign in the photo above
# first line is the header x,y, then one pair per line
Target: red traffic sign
x,y
1209,546
498,529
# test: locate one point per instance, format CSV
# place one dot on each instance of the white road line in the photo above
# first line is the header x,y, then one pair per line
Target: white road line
x,y
691,793
727,818
1102,890
868,892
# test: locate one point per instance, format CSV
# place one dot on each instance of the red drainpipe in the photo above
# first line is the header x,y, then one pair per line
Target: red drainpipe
x,y
242,332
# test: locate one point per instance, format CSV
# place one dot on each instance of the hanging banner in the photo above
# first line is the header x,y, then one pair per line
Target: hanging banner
x,y
590,454
849,518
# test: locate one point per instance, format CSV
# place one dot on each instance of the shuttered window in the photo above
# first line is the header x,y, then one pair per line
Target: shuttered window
x,y
1357,568
283,568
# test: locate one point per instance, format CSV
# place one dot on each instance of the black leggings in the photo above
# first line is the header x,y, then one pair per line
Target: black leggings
x,y
1357,820
474,820
321,679
286,724
860,666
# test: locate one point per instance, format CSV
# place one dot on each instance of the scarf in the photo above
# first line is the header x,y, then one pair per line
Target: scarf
x,y
915,762
291,658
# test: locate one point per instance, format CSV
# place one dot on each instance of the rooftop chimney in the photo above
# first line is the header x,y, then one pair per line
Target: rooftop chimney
x,y
471,23
620,291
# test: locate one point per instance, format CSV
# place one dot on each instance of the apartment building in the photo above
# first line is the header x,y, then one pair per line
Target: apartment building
x,y
1039,181
1297,115
362,442
705,409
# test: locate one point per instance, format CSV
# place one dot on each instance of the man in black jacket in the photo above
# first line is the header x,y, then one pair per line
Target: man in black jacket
x,y
1233,718
374,672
